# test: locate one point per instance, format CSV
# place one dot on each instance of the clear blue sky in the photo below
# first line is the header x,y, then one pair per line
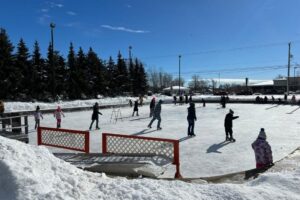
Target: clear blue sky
x,y
209,34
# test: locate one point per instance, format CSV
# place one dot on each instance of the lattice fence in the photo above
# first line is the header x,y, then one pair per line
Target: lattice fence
x,y
64,138
127,144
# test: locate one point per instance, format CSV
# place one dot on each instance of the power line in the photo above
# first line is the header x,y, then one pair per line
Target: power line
x,y
231,70
222,50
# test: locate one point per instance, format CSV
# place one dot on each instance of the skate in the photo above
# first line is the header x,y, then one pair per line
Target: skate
x,y
159,128
232,140
97,128
149,126
227,139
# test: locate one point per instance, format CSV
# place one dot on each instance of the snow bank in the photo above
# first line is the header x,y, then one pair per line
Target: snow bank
x,y
30,172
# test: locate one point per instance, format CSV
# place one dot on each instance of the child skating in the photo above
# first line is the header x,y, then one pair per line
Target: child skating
x,y
57,114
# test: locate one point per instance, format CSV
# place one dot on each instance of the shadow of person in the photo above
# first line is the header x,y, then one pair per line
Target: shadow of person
x,y
184,138
143,132
215,147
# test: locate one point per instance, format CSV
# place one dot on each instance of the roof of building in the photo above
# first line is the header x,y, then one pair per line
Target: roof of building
x,y
264,83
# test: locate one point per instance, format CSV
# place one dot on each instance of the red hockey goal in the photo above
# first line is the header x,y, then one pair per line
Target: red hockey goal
x,y
64,138
128,144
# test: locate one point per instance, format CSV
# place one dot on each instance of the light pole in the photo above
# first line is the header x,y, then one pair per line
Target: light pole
x,y
52,26
179,74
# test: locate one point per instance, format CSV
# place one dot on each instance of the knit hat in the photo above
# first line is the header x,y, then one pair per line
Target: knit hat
x,y
262,134
231,111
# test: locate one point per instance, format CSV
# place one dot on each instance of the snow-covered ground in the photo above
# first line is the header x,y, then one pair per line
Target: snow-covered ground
x,y
30,172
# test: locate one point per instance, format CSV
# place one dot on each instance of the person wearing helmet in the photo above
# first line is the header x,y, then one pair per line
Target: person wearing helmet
x,y
228,125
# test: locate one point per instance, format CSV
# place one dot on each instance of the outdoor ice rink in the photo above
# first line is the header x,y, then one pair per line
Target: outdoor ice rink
x,y
206,154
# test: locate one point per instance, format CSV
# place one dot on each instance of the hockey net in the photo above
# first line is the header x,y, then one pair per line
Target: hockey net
x,y
138,145
64,138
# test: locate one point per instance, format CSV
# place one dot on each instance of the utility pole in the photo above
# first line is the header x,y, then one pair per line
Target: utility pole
x,y
179,74
52,26
288,73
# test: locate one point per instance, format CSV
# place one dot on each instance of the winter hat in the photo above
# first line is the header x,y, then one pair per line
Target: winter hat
x,y
192,104
262,134
160,101
231,111
58,108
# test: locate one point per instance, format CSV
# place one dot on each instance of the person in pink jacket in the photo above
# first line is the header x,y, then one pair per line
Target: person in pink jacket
x,y
57,114
263,151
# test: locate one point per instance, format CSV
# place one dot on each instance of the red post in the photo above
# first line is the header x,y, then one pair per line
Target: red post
x,y
39,136
87,142
104,141
176,159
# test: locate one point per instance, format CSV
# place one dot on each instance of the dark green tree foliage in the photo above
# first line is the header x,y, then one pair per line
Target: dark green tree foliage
x,y
60,74
39,73
23,72
82,74
6,65
140,85
96,73
72,88
121,77
110,77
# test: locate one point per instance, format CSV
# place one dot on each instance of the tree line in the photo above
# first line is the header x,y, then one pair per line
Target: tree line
x,y
27,75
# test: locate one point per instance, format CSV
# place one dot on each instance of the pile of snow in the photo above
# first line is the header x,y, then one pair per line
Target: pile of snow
x,y
31,172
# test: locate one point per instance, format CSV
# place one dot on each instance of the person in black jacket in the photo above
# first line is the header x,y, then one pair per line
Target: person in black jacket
x,y
136,108
191,119
95,116
152,105
228,125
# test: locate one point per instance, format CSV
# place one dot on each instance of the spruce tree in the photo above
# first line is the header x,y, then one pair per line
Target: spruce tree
x,y
121,77
39,73
6,65
72,87
110,77
96,74
23,72
82,73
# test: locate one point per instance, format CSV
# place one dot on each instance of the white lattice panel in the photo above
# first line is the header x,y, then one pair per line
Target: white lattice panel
x,y
63,139
139,146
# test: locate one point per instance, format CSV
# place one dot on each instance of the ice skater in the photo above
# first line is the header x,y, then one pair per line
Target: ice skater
x,y
57,114
157,111
228,125
262,151
152,106
136,108
95,116
191,119
37,116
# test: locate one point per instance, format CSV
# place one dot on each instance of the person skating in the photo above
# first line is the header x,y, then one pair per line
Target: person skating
x,y
228,125
203,102
262,151
136,108
157,111
152,106
57,114
191,119
37,116
95,116
175,99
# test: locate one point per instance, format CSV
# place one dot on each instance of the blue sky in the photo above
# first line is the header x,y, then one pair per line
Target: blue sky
x,y
211,35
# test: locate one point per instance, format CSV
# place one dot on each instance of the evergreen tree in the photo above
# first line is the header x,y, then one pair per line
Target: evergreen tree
x,y
6,65
39,73
143,86
72,88
96,74
121,78
110,77
50,90
82,73
23,71
60,74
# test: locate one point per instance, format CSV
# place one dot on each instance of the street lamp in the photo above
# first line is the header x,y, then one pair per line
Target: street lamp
x,y
52,26
179,74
